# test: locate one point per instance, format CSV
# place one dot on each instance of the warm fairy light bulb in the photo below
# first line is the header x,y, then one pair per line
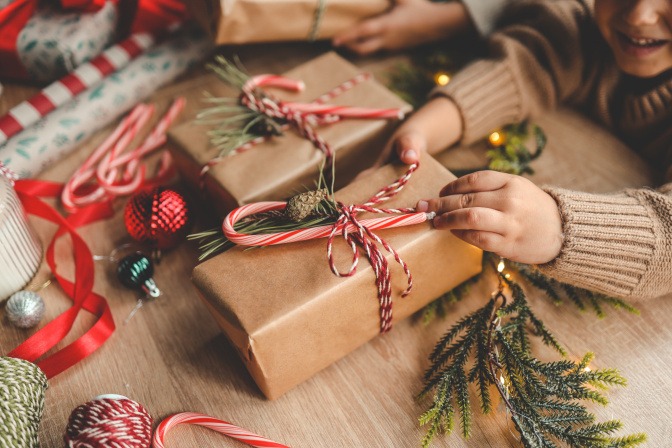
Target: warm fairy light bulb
x,y
441,78
500,266
496,138
586,369
507,276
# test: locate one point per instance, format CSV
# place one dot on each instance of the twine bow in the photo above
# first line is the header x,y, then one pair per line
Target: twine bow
x,y
305,117
357,233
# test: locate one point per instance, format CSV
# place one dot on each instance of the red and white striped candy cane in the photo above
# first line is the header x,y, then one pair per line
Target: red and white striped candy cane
x,y
215,424
104,165
357,233
304,116
60,92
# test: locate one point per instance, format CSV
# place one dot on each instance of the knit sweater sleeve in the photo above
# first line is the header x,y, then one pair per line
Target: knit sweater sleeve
x,y
485,14
536,60
619,245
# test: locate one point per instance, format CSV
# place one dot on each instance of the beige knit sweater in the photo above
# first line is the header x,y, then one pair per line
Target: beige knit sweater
x,y
549,52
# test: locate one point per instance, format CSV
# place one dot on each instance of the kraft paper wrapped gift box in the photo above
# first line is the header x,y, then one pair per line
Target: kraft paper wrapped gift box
x,y
287,164
289,317
247,21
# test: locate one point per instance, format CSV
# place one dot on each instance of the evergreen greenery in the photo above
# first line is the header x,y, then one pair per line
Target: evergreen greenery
x,y
545,400
234,123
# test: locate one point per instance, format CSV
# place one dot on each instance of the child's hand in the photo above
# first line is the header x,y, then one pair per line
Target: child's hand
x,y
408,23
500,213
432,128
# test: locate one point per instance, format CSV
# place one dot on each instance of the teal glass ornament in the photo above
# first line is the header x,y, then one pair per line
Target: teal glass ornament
x,y
135,271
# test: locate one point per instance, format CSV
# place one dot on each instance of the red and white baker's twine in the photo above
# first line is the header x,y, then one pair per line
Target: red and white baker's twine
x,y
8,173
303,116
60,92
114,422
220,426
354,231
118,173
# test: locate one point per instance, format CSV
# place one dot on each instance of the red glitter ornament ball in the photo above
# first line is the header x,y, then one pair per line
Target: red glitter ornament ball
x,y
159,217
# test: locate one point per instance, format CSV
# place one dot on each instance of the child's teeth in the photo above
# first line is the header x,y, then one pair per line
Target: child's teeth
x,y
642,41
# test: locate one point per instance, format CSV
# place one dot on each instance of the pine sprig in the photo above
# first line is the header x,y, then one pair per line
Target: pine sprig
x,y
544,399
234,123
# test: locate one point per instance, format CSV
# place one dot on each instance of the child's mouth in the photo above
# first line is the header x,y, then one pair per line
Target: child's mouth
x,y
640,46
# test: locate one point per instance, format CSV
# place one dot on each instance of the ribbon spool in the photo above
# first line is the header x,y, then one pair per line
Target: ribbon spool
x,y
109,420
20,248
22,387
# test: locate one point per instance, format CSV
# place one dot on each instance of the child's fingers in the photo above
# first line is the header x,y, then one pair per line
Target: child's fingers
x,y
488,199
368,28
488,241
477,218
409,146
366,46
475,182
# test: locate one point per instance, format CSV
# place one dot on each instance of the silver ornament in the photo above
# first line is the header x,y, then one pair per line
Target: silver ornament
x,y
25,309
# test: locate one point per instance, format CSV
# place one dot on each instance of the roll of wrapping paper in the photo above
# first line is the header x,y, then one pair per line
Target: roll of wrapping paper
x,y
20,249
60,132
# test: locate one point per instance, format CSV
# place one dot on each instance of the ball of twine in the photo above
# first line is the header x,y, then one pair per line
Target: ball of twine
x,y
109,421
22,386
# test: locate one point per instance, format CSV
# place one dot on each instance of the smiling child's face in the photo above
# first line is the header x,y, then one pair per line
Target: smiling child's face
x,y
639,33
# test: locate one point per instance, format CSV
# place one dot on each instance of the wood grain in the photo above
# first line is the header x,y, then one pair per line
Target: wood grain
x,y
171,356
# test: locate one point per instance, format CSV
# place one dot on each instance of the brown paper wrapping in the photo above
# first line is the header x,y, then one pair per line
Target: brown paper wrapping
x,y
289,316
247,21
286,165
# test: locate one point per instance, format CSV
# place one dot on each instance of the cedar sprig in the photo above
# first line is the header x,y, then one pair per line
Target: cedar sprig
x,y
234,123
545,400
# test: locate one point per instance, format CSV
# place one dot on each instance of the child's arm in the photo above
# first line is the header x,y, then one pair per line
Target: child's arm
x,y
414,22
619,245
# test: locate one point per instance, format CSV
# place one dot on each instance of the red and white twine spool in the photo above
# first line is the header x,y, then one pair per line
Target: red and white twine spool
x,y
109,420
214,424
357,233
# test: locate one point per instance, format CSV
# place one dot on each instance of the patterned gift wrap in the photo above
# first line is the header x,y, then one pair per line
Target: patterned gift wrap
x,y
63,130
55,42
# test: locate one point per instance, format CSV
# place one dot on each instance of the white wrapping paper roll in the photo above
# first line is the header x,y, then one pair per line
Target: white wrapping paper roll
x,y
63,130
20,249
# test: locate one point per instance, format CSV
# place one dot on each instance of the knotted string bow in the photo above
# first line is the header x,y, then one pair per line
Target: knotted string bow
x,y
357,233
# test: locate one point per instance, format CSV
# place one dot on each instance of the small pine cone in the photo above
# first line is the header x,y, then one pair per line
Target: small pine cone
x,y
302,205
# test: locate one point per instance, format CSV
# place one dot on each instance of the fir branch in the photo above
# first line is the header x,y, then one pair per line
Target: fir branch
x,y
544,399
235,124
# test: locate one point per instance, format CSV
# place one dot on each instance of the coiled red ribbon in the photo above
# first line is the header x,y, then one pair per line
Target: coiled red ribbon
x,y
81,290
356,232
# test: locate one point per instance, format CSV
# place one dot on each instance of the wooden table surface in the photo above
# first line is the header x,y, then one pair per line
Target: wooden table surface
x,y
172,357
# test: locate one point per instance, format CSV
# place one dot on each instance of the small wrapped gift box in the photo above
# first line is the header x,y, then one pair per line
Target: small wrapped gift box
x,y
287,164
52,41
289,317
246,21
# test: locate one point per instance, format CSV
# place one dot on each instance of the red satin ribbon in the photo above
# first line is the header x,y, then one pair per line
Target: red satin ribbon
x,y
29,192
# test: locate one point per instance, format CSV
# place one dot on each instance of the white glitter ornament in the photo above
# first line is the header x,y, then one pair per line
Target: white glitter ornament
x,y
25,309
